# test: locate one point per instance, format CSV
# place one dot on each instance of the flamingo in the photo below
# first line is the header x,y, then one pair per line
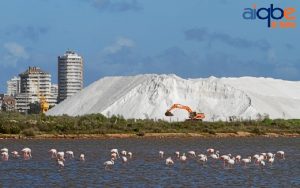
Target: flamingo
x,y
192,153
238,158
4,150
203,159
264,154
201,155
4,156
124,159
270,155
262,163
247,160
256,158
161,154
169,161
53,153
109,164
215,155
15,154
271,160
231,162
61,155
281,154
115,151
123,152
210,150
182,158
26,153
130,154
70,154
225,158
81,157
259,159
60,163
113,155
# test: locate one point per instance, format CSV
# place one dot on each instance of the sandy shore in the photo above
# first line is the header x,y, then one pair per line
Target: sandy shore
x,y
146,135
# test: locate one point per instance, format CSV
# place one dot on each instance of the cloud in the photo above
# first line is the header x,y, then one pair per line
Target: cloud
x,y
203,35
32,33
116,5
120,44
14,53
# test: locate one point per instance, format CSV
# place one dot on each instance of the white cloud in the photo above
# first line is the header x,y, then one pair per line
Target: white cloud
x,y
118,45
14,53
16,50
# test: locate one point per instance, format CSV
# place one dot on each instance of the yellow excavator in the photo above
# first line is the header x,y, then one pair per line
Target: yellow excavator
x,y
192,115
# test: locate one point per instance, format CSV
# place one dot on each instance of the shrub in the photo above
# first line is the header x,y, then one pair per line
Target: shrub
x,y
31,132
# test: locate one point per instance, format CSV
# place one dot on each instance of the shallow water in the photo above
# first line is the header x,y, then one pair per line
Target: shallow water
x,y
146,169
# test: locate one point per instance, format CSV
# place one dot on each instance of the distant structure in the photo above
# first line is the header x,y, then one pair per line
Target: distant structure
x,y
70,75
13,86
54,90
34,83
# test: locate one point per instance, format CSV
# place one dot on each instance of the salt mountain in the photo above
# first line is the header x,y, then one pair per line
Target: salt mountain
x,y
150,95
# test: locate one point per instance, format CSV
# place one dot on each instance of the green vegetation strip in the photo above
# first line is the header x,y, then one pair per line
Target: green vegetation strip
x,y
33,125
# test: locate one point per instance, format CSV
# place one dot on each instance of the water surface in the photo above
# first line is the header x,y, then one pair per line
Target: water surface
x,y
146,169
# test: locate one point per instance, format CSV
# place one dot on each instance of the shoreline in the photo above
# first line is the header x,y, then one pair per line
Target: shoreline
x,y
149,135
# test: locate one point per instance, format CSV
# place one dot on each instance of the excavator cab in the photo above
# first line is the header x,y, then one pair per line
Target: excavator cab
x,y
192,115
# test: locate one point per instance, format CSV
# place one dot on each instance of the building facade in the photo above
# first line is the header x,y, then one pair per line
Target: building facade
x,y
70,75
34,83
13,86
54,90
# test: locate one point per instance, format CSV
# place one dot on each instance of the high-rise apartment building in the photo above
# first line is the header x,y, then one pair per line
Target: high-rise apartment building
x,y
13,86
34,83
70,75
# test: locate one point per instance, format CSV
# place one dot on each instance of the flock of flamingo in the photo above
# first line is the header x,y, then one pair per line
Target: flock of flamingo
x,y
61,156
227,159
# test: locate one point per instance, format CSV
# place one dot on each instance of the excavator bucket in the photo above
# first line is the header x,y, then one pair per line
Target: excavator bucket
x,y
168,113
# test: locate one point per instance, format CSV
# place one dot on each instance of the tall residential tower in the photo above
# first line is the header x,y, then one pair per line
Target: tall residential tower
x,y
70,75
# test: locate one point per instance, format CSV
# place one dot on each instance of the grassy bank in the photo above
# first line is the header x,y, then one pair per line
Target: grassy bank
x,y
18,125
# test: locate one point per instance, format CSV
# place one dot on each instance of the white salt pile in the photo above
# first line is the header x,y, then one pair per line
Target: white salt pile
x,y
150,95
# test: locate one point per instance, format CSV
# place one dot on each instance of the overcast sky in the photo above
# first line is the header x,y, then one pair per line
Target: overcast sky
x,y
191,38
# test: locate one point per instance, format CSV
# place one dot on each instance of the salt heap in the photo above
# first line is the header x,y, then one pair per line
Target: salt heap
x,y
150,95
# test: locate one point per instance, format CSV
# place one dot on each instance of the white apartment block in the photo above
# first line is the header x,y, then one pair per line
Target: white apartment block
x,y
13,86
54,90
34,84
70,75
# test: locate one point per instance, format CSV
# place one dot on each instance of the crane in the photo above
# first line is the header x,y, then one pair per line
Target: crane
x,y
192,115
44,104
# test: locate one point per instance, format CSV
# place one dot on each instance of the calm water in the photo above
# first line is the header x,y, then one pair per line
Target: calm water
x,y
145,169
